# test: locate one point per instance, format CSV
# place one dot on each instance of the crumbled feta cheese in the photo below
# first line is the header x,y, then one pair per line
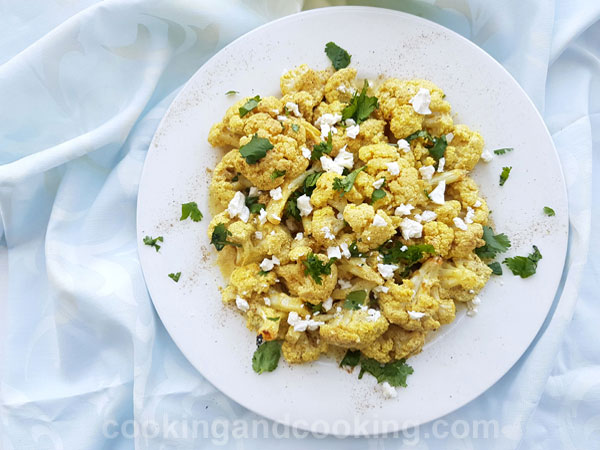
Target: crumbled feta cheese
x,y
344,284
426,216
267,264
299,237
302,325
262,216
345,250
377,184
339,216
276,193
472,306
334,252
388,390
344,158
306,152
393,168
277,218
237,207
386,270
272,233
282,118
403,248
327,232
404,145
470,214
254,192
304,205
487,155
449,137
403,210
437,195
415,315
460,224
275,111
476,301
329,165
327,304
352,131
379,221
421,101
427,172
293,107
326,122
267,301
258,235
383,289
441,164
242,304
477,204
373,315
411,229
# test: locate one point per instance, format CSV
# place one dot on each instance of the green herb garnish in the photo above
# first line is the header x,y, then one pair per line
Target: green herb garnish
x,y
266,357
351,358
277,173
153,242
355,299
494,244
395,373
345,184
504,175
256,149
524,266
321,148
231,92
175,276
190,210
361,106
249,105
549,211
496,268
219,237
295,127
253,205
397,253
339,57
502,151
438,148
315,267
273,319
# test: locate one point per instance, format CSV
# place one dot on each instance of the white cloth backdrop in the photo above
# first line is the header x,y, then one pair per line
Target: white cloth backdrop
x,y
83,86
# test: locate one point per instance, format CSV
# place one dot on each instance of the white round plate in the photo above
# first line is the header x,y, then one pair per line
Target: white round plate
x,y
464,358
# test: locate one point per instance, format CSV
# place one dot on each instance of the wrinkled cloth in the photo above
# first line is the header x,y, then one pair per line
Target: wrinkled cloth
x,y
83,86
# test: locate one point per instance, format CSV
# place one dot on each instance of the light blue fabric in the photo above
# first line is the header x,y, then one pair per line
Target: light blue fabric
x,y
82,89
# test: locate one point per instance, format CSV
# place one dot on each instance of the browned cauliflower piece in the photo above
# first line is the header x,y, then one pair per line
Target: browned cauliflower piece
x,y
264,321
396,343
372,229
447,212
341,85
302,347
304,286
465,149
466,241
222,187
303,78
351,328
461,279
439,235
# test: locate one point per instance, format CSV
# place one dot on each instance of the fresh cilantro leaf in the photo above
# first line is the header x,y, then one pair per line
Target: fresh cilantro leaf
x,y
253,205
175,276
291,206
263,273
339,57
351,358
249,105
439,147
295,127
315,308
419,134
273,319
549,211
277,173
231,92
191,210
504,175
378,194
395,373
524,266
494,244
496,268
345,184
256,149
321,148
353,248
219,237
153,242
310,182
315,267
266,357
396,253
502,151
355,299
361,106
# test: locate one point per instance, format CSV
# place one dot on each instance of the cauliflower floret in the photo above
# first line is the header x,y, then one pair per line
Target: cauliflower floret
x,y
303,78
371,229
324,194
447,212
222,187
439,235
465,191
465,149
284,156
303,285
247,283
351,328
301,347
396,343
325,226
340,86
416,303
466,241
462,278
264,321
482,212
283,302
276,241
306,104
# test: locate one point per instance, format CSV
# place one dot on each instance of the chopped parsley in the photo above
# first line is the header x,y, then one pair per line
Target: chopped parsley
x,y
354,252
412,254
266,357
263,273
351,358
231,92
355,299
496,268
295,127
253,205
219,237
249,105
273,319
236,177
438,148
315,267
315,308
190,210
256,149
524,266
419,134
277,173
549,211
321,148
504,175
494,244
395,373
339,57
345,184
175,276
310,182
361,106
502,151
153,242
378,194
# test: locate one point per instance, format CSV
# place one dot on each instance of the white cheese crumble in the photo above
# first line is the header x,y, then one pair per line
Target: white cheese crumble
x,y
373,315
344,284
326,123
303,325
460,224
282,118
470,214
403,210
404,145
415,315
378,289
277,218
427,172
306,152
388,390
472,306
267,301
293,107
377,184
327,304
393,168
352,131
254,192
262,216
304,205
441,164
386,270
334,252
267,264
327,232
403,248
345,250
426,216
329,165
237,207
299,237
437,195
411,229
242,304
379,221
449,137
420,102
276,193
344,158
258,235
477,204
487,155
